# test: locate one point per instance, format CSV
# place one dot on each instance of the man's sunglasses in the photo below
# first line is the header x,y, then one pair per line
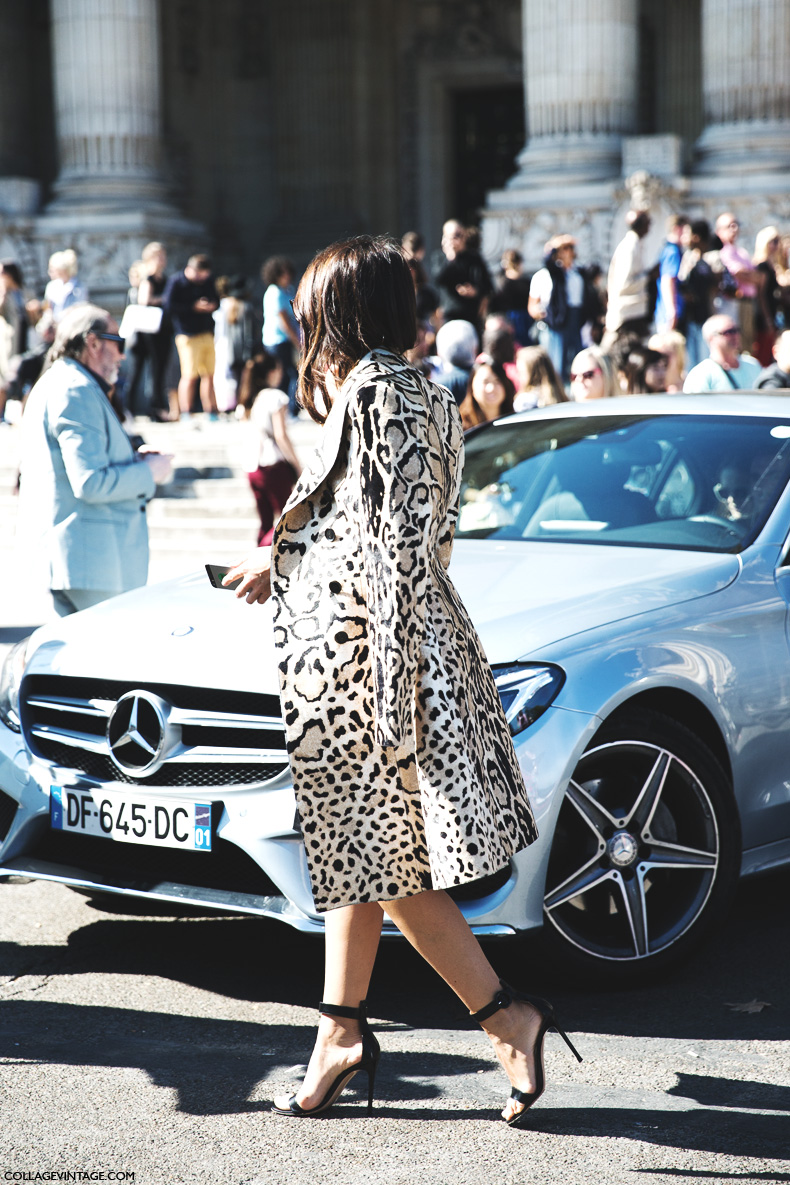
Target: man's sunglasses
x,y
728,332
112,337
737,493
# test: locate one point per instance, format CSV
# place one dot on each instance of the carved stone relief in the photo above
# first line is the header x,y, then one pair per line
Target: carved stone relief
x,y
468,29
599,226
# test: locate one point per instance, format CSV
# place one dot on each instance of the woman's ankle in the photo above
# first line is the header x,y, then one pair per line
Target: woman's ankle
x,y
338,1030
508,1023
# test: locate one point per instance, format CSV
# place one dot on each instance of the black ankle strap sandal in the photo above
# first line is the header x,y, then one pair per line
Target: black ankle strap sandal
x,y
371,1052
348,1013
503,999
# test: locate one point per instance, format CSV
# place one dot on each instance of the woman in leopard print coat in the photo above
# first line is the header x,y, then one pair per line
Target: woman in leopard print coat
x,y
403,767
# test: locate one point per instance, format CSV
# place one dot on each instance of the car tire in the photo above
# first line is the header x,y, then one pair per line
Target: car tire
x,y
646,852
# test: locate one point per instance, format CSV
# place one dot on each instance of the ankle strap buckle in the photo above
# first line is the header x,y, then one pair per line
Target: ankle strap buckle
x,y
503,999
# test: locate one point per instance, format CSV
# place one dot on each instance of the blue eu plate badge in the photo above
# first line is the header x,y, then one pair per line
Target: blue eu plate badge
x,y
203,826
56,806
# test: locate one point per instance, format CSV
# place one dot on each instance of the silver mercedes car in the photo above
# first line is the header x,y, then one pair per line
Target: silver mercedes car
x,y
627,564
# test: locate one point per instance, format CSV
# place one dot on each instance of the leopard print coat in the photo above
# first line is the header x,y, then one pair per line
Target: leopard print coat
x,y
402,761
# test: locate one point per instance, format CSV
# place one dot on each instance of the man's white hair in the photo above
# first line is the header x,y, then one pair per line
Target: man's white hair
x,y
65,261
457,344
714,324
73,328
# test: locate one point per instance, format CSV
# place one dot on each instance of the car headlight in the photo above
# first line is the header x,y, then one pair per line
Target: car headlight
x,y
10,679
526,690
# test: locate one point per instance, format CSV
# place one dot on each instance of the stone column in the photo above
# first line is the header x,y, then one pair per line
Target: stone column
x,y
19,192
580,63
746,86
16,132
107,104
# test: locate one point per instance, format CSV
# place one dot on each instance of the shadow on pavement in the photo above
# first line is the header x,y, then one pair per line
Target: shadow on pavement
x,y
255,959
699,1130
212,1065
215,1065
722,1092
714,1175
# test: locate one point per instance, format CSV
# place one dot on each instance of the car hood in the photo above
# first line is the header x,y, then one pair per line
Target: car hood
x,y
181,631
524,596
521,597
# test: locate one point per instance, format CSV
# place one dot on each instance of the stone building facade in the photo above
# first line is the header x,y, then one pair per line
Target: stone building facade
x,y
667,106
251,127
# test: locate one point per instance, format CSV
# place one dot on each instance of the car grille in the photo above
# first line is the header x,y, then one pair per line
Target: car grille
x,y
7,811
215,737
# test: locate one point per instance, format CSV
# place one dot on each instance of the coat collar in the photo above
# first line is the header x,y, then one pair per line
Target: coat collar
x,y
319,465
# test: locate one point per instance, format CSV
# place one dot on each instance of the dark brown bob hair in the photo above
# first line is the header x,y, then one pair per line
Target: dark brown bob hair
x,y
354,297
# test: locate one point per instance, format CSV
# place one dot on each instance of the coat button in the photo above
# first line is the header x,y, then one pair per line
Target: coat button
x,y
142,510
330,534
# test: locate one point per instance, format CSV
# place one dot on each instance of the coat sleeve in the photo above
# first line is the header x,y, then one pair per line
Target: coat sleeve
x,y
453,431
389,462
78,423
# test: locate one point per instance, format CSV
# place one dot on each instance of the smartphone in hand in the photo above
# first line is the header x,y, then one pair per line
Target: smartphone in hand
x,y
216,573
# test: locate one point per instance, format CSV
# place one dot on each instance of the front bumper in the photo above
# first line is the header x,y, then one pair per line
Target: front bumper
x,y
255,831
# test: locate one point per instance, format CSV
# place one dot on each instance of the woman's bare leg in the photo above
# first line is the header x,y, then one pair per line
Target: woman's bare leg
x,y
352,939
437,929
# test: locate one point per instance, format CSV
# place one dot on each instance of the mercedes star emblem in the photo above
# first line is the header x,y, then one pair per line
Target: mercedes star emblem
x,y
623,849
136,733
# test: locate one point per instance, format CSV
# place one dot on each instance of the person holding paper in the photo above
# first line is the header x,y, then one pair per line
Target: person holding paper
x,y
154,334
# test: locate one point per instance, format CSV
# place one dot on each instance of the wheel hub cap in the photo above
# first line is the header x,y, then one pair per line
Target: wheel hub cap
x,y
622,849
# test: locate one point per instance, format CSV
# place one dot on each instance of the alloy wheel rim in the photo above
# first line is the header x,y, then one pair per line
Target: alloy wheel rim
x,y
635,855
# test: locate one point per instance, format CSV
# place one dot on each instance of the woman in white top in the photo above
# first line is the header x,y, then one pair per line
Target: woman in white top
x,y
271,464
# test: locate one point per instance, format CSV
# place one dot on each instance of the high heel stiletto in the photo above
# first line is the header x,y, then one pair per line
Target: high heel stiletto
x,y
503,999
371,1052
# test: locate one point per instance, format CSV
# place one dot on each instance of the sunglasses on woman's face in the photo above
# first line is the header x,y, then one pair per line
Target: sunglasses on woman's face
x,y
585,376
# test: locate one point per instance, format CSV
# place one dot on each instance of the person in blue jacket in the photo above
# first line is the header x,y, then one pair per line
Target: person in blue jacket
x,y
83,488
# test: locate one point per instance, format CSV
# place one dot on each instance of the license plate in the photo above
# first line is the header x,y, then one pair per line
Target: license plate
x,y
158,822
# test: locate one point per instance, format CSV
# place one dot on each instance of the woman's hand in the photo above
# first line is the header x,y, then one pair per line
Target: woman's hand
x,y
255,573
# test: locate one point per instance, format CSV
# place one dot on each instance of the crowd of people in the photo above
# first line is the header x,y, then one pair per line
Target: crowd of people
x,y
655,322
187,342
708,315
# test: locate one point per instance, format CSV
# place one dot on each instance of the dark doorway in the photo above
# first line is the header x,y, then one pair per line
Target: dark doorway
x,y
488,134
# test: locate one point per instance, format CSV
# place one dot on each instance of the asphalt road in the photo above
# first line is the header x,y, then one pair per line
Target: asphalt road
x,y
151,1045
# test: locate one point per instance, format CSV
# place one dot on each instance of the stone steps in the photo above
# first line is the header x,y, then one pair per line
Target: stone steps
x,y
231,487
189,534
223,506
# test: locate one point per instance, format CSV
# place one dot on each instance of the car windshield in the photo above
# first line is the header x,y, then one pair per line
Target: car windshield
x,y
697,482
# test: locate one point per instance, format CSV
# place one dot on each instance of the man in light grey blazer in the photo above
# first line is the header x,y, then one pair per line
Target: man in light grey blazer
x,y
83,488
